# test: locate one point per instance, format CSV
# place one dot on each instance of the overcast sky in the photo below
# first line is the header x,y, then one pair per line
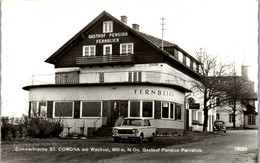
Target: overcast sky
x,y
32,30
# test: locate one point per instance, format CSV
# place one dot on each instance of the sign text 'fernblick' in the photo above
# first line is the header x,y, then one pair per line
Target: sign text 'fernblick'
x,y
153,92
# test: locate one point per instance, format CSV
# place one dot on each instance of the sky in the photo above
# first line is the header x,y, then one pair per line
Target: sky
x,y
32,30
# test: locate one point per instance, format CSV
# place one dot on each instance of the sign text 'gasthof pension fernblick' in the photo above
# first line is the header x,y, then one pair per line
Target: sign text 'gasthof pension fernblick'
x,y
105,38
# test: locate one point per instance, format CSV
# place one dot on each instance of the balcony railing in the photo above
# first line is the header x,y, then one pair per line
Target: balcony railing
x,y
111,77
105,60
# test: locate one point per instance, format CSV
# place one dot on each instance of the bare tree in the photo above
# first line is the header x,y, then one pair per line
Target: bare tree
x,y
238,88
209,84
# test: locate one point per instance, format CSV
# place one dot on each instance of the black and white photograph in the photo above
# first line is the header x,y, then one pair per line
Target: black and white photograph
x,y
129,81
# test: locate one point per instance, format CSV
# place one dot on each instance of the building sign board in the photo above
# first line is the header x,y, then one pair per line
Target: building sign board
x,y
105,38
194,106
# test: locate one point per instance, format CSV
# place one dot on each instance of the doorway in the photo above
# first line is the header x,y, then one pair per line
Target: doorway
x,y
114,112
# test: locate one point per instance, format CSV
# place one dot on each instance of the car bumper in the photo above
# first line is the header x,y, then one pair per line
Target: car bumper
x,y
127,136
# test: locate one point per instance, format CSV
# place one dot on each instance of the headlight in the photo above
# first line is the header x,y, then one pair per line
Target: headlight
x,y
115,131
135,131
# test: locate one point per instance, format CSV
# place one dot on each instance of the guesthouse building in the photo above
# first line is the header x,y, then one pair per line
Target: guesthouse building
x,y
109,71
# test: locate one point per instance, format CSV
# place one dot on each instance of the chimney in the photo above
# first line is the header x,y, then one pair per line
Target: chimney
x,y
245,70
136,27
124,19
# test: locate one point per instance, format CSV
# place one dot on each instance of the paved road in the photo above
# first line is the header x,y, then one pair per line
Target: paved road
x,y
234,146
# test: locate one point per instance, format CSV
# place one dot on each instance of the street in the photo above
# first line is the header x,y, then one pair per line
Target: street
x,y
235,146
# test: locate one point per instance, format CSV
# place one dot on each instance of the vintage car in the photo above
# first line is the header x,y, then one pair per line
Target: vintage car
x,y
134,129
219,126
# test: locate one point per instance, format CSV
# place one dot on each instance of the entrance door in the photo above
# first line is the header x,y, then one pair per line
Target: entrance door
x,y
115,111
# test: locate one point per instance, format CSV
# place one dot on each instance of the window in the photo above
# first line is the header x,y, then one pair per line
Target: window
x,y
66,77
147,109
231,118
167,110
194,66
180,56
218,116
43,109
107,26
34,111
193,115
188,61
251,119
177,112
89,50
127,48
134,109
101,77
141,109
91,109
147,122
63,109
107,49
135,76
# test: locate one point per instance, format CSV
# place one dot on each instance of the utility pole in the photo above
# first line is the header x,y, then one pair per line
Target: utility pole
x,y
162,24
32,78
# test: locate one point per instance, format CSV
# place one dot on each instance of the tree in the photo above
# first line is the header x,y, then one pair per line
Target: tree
x,y
209,85
238,88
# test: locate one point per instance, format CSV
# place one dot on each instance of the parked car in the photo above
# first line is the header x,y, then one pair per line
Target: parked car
x,y
134,129
219,126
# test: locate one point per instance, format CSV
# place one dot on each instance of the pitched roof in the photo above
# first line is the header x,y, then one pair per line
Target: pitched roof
x,y
155,42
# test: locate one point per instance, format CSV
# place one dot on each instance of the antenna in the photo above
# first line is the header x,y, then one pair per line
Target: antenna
x,y
163,23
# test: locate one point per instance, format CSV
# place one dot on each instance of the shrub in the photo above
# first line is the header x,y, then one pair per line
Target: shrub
x,y
42,127
5,128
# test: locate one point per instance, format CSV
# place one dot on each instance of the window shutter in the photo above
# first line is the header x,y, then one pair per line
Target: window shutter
x,y
105,108
49,109
139,76
76,109
124,108
157,109
130,77
30,108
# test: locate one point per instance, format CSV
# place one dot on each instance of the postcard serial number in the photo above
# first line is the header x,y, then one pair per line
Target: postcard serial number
x,y
240,148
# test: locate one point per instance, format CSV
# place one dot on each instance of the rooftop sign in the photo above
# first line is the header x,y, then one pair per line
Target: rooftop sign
x,y
107,37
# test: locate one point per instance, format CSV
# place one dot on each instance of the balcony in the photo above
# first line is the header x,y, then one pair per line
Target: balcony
x,y
105,60
111,77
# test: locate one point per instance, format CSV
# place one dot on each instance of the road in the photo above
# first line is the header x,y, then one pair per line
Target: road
x,y
234,146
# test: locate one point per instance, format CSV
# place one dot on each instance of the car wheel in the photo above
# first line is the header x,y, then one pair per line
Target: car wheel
x,y
116,140
140,140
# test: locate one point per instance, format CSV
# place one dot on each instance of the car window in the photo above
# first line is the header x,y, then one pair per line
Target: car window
x,y
134,122
149,124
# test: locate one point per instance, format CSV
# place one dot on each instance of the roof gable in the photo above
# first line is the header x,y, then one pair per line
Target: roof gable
x,y
153,41
149,47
